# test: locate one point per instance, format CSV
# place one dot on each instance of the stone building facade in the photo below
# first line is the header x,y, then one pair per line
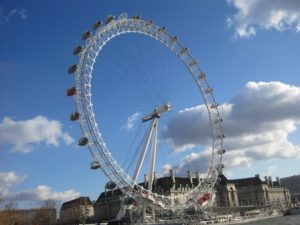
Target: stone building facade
x,y
108,204
293,184
229,193
226,195
76,211
251,191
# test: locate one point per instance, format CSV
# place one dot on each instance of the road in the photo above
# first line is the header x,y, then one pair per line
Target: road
x,y
293,219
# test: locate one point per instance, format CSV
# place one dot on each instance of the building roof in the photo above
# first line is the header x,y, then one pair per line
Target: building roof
x,y
107,194
242,182
76,202
223,180
247,181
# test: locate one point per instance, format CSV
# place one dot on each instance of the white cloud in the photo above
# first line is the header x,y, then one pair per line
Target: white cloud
x,y
258,122
43,192
8,180
264,14
5,18
130,124
25,134
40,193
188,128
271,170
166,169
229,174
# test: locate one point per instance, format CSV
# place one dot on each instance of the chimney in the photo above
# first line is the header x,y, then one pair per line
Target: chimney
x,y
278,181
257,176
198,177
145,180
189,176
270,181
172,175
155,178
266,180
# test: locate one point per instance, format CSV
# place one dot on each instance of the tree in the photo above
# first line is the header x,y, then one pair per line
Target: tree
x,y
2,215
80,213
9,216
46,215
49,204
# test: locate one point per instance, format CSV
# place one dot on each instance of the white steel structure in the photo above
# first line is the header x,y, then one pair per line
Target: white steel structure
x,y
103,159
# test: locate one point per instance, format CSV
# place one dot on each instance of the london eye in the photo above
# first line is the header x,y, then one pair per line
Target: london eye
x,y
153,119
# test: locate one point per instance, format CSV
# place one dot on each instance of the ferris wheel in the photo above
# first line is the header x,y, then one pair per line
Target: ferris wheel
x,y
92,136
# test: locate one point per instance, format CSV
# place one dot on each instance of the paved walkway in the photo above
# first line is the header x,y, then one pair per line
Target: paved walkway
x,y
282,220
293,219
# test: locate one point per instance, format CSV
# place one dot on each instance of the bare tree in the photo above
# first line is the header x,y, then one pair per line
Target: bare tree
x,y
46,215
9,216
49,204
3,218
84,212
2,215
79,213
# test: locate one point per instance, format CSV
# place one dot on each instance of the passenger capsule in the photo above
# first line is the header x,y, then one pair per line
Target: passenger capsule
x,y
95,165
214,105
74,116
136,17
71,91
161,29
219,120
221,135
72,69
203,200
208,90
149,23
86,35
83,141
220,167
110,185
221,151
193,63
173,39
109,19
202,76
97,25
77,50
183,51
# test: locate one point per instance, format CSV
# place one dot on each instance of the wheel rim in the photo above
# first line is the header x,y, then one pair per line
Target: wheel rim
x,y
89,126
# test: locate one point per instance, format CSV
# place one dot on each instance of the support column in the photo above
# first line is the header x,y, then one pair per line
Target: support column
x,y
153,155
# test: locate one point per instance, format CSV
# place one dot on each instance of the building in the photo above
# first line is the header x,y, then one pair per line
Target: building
x,y
251,191
108,204
226,195
40,216
235,193
76,211
293,184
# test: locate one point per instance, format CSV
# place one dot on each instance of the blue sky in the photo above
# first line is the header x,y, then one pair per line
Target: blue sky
x,y
250,51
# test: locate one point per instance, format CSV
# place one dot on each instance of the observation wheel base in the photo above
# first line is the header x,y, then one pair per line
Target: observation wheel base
x,y
147,214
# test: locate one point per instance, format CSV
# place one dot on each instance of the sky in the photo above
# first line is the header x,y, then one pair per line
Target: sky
x,y
249,50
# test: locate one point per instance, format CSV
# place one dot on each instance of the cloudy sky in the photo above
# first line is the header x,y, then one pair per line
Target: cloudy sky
x,y
249,49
